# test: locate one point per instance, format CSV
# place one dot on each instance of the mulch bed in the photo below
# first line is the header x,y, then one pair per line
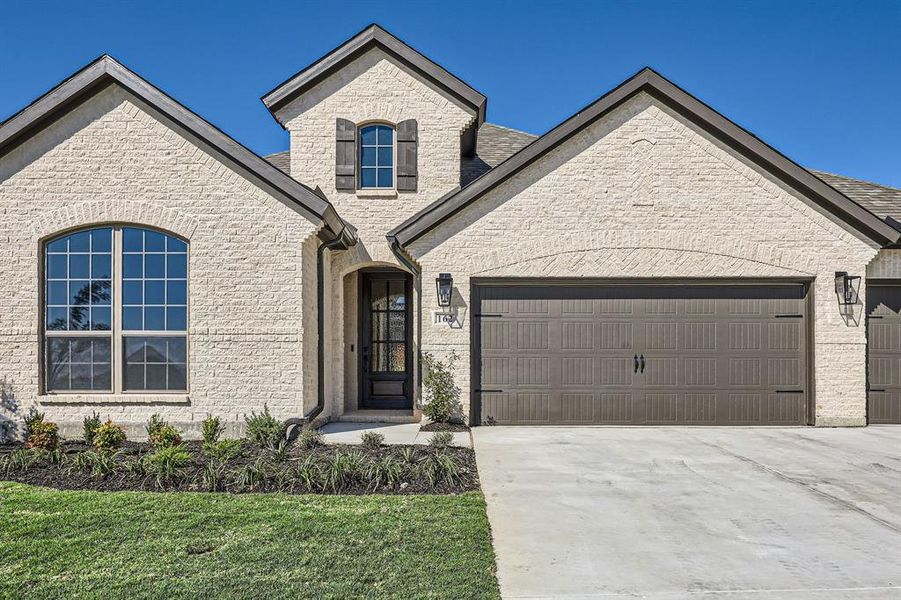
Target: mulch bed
x,y
455,427
280,476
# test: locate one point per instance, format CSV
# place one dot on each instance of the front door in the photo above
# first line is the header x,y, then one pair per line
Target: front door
x,y
385,349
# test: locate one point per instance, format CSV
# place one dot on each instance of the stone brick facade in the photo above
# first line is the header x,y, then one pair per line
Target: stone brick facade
x,y
643,193
252,264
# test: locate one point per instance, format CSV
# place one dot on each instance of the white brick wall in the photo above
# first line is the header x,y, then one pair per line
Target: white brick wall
x,y
642,193
372,88
111,161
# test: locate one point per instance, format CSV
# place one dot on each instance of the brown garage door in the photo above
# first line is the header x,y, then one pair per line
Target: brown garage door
x,y
641,354
884,349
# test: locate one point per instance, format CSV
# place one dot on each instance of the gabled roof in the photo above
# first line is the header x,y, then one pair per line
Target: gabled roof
x,y
105,71
495,145
373,36
649,81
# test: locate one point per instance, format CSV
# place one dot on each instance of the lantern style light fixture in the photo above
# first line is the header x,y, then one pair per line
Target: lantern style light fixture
x,y
847,288
444,285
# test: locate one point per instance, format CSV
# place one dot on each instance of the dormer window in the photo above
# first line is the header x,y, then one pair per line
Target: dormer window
x,y
376,156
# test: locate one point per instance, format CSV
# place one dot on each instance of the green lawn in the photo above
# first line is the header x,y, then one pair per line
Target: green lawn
x,y
140,544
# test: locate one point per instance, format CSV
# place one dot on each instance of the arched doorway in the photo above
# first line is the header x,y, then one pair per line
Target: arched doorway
x,y
385,363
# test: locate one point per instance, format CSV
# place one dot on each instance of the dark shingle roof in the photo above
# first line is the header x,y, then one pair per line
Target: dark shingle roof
x,y
496,144
281,160
881,200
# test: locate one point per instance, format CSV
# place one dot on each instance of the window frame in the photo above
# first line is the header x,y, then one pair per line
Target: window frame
x,y
359,156
116,333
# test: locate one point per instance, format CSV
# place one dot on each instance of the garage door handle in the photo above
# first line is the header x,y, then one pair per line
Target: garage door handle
x,y
635,358
642,363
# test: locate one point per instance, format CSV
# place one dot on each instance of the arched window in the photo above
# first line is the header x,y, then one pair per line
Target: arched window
x,y
376,156
116,311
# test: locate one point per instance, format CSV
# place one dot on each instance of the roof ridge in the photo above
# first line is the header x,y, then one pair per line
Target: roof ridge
x,y
534,135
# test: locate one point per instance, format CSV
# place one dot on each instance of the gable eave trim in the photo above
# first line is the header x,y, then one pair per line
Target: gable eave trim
x,y
105,71
649,81
374,37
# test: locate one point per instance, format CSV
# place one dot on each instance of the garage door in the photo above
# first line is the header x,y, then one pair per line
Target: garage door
x,y
641,355
884,349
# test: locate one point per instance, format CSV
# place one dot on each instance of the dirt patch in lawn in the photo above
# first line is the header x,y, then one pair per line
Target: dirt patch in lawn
x,y
327,469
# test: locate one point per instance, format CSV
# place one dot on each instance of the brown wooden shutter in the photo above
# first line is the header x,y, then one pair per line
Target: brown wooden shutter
x,y
345,155
407,140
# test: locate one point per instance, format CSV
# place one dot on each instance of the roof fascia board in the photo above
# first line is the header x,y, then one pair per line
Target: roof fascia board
x,y
371,37
722,128
106,71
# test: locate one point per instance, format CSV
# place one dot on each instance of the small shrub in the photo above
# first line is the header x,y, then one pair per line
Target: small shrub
x,y
167,464
440,468
213,475
224,450
98,464
310,438
43,435
212,430
90,427
407,455
387,470
251,476
442,394
372,440
109,437
309,473
441,440
264,430
18,460
161,434
282,451
343,470
31,419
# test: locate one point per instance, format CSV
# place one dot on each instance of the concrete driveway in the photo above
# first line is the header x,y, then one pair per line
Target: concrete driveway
x,y
741,513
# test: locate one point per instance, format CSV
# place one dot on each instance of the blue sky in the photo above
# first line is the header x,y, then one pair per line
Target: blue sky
x,y
820,81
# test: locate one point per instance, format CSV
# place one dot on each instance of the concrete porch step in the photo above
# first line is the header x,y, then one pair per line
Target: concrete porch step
x,y
380,416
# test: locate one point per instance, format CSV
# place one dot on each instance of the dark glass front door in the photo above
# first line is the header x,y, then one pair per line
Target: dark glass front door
x,y
385,349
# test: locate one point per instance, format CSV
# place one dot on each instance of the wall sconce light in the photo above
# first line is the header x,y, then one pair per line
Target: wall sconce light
x,y
847,288
444,285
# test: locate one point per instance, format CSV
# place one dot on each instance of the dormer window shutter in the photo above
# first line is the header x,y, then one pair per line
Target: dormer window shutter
x,y
345,155
407,140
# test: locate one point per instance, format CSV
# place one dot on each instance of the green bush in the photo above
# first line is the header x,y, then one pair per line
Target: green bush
x,y
264,430
441,393
310,438
109,437
212,430
372,440
43,435
90,427
98,464
167,464
224,450
441,440
161,434
31,419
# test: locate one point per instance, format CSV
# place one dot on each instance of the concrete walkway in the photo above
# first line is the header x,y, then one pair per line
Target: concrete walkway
x,y
712,513
395,434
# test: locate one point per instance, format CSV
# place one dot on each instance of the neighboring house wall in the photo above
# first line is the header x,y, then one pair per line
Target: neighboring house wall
x,y
372,88
642,193
252,264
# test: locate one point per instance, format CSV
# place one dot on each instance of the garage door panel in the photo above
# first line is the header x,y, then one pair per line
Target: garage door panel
x,y
884,352
712,354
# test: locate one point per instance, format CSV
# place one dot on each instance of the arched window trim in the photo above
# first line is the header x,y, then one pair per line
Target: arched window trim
x,y
117,333
360,166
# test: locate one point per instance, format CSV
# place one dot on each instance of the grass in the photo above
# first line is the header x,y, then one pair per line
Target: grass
x,y
144,544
